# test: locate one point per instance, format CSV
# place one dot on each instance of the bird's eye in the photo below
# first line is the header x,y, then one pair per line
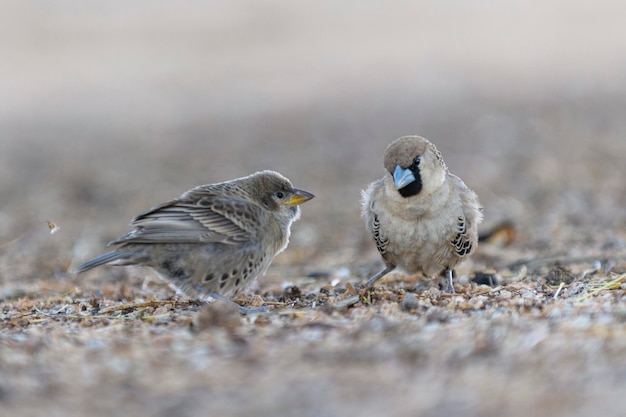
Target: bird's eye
x,y
416,163
279,194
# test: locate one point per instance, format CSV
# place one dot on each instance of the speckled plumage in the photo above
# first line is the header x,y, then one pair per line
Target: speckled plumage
x,y
428,225
215,238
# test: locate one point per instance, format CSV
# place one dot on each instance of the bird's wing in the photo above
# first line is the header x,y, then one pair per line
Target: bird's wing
x,y
370,216
208,219
462,241
465,235
379,239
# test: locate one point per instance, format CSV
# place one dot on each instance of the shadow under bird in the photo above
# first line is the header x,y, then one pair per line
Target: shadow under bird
x,y
214,239
423,218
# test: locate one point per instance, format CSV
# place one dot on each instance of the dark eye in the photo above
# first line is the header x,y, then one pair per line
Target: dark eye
x,y
416,163
279,194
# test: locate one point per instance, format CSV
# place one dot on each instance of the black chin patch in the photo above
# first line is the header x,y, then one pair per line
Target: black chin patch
x,y
413,188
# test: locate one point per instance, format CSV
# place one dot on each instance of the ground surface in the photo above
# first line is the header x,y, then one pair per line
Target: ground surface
x,y
107,111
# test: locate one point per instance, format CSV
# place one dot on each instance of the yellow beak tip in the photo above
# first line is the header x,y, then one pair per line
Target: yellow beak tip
x,y
299,197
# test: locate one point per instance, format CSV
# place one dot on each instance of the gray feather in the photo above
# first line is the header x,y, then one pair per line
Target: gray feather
x,y
100,260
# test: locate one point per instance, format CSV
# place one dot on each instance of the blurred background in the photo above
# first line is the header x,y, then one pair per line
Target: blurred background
x,y
107,108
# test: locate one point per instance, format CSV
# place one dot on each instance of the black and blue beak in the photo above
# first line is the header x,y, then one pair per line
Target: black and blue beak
x,y
408,181
402,177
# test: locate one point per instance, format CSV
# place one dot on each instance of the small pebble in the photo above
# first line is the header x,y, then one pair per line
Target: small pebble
x,y
409,302
505,295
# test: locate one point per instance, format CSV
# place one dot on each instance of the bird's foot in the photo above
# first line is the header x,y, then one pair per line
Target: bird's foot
x,y
449,282
378,276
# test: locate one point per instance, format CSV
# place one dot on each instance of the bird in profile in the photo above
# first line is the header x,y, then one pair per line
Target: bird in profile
x,y
214,239
423,218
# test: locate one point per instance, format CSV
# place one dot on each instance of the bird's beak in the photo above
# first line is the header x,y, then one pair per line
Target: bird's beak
x,y
298,198
402,177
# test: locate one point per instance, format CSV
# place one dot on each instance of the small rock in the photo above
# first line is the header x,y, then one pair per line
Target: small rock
x,y
559,274
481,278
292,292
432,293
409,302
345,303
465,306
505,295
479,302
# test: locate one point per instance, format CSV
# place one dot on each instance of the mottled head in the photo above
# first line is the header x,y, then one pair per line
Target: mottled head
x,y
415,165
276,193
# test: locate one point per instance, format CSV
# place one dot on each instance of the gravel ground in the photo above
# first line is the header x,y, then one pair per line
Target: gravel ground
x,y
106,110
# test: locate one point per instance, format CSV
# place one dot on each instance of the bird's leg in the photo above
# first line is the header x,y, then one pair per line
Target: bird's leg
x,y
449,284
378,276
242,309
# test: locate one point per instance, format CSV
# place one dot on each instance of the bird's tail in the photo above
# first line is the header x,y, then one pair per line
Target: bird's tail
x,y
99,260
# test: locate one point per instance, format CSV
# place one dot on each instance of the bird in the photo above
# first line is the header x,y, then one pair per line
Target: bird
x,y
422,218
214,239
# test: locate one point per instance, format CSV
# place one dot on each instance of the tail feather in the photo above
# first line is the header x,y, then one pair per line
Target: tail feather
x,y
99,260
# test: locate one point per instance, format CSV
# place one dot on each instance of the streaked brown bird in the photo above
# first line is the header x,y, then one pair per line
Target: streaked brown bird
x,y
214,239
423,218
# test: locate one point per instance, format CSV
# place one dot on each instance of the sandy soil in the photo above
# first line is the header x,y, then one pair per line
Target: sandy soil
x,y
108,109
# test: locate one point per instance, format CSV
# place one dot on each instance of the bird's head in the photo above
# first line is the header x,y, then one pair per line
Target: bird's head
x,y
414,164
277,194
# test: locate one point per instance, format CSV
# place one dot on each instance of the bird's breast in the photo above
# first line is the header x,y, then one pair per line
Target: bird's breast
x,y
418,243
